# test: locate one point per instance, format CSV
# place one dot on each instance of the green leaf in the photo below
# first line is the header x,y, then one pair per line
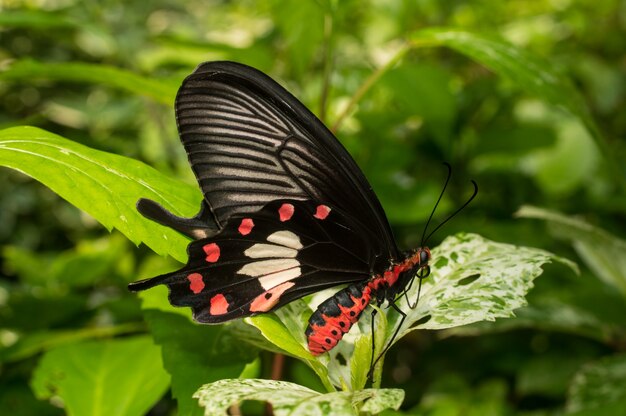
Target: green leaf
x,y
160,90
104,185
36,19
536,75
599,385
601,251
285,329
527,70
33,343
117,377
293,399
195,354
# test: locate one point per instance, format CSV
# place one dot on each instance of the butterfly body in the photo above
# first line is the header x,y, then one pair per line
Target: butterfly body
x,y
286,212
335,316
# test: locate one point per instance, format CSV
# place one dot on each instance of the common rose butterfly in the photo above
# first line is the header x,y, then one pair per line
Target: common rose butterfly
x,y
286,211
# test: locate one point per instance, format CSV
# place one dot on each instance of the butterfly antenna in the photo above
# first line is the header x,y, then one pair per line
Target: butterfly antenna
x,y
455,212
437,203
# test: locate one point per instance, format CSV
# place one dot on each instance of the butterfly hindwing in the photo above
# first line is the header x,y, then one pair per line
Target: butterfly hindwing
x,y
262,260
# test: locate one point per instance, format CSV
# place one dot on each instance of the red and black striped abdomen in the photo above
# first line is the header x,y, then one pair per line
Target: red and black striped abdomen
x,y
335,316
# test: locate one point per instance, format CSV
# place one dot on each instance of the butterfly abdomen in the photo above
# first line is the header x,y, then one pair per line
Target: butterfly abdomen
x,y
335,316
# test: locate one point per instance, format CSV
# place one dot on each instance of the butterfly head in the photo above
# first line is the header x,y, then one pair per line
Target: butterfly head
x,y
419,260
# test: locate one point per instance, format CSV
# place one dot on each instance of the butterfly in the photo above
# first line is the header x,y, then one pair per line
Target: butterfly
x,y
286,211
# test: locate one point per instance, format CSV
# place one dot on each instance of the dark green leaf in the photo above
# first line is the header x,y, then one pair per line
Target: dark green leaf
x,y
116,377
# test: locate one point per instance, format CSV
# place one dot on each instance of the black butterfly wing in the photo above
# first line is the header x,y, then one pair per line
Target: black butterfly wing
x,y
263,260
249,142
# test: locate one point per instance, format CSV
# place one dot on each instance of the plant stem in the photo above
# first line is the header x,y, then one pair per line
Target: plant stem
x,y
369,82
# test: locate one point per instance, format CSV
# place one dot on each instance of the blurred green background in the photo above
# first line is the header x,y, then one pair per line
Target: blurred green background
x,y
63,276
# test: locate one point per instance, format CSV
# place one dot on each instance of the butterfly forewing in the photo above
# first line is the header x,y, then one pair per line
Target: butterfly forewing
x,y
250,142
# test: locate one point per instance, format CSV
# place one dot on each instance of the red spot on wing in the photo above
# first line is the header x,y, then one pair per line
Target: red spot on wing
x,y
246,226
212,252
195,282
322,212
219,305
267,300
286,212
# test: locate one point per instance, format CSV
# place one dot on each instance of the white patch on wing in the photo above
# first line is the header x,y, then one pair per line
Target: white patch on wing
x,y
272,273
265,267
283,268
276,279
285,238
259,251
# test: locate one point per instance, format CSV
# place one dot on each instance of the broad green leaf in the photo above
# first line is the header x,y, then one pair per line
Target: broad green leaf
x,y
160,90
195,354
599,386
285,329
104,185
601,251
293,399
116,377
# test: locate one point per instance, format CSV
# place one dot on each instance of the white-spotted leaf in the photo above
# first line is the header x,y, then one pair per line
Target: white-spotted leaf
x,y
290,399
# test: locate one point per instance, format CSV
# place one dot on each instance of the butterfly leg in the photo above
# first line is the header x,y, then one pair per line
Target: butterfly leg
x,y
372,320
395,334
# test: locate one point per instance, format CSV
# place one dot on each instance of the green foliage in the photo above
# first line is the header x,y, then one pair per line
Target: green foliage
x,y
162,91
598,387
497,276
600,250
121,377
524,97
292,399
82,176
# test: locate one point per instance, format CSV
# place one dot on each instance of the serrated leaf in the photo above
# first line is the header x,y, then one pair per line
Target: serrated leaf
x,y
117,377
293,399
104,185
599,385
160,90
601,251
